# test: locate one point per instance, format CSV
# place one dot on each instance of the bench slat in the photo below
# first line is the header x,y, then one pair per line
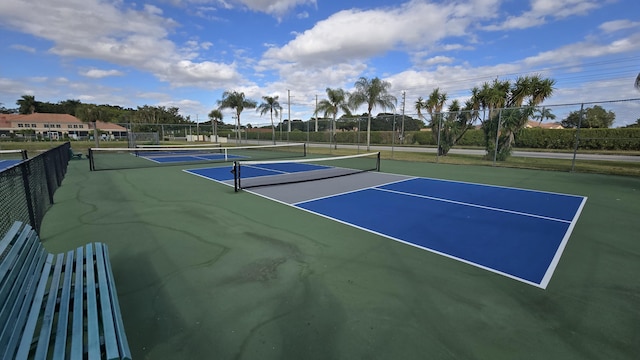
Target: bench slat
x,y
93,334
110,341
50,310
8,238
21,290
59,349
77,330
34,310
26,295
123,344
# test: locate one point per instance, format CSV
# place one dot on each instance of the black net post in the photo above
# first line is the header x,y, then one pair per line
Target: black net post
x,y
236,176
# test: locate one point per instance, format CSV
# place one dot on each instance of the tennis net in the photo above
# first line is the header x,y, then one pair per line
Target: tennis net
x,y
249,174
9,158
188,146
130,158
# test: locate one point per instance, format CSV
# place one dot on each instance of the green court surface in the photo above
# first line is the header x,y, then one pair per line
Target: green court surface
x,y
206,273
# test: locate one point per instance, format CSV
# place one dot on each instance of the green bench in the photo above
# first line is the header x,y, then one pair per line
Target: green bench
x,y
73,155
61,306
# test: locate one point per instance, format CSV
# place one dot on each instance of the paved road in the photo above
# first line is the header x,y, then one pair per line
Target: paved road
x,y
530,154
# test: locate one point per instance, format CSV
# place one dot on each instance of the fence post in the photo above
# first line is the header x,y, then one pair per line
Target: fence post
x,y
575,146
495,151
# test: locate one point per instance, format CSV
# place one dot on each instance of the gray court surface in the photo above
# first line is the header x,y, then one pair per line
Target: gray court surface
x,y
304,191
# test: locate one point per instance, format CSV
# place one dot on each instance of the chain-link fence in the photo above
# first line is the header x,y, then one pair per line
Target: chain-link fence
x,y
27,188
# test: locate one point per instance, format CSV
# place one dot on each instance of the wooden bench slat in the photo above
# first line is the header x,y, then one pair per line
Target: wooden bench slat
x,y
60,346
34,310
50,310
123,344
7,239
21,290
77,331
26,294
110,341
93,333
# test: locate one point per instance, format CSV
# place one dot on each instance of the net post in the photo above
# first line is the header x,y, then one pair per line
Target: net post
x,y
24,155
378,162
304,150
91,165
236,176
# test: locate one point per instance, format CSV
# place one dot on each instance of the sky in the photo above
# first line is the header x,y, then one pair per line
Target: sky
x,y
186,53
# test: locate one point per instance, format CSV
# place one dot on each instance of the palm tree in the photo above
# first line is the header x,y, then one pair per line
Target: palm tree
x,y
434,105
237,101
542,114
337,100
419,106
215,115
270,105
374,92
27,104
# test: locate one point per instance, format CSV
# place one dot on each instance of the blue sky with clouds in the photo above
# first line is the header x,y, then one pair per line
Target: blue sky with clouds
x,y
186,53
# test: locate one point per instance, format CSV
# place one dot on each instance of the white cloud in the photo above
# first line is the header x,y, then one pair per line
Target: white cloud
x,y
617,25
439,60
542,9
577,52
277,8
114,33
98,74
360,34
24,48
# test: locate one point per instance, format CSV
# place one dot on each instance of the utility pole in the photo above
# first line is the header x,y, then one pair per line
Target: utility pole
x,y
289,105
402,131
316,112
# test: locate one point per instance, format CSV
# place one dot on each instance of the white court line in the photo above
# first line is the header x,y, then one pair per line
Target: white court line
x,y
474,205
501,187
556,258
263,168
206,177
353,191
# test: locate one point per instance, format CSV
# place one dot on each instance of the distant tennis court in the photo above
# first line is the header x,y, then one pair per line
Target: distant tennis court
x,y
153,156
9,158
514,232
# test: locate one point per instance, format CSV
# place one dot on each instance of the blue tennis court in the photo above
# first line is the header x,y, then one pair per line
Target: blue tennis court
x,y
176,157
4,164
514,232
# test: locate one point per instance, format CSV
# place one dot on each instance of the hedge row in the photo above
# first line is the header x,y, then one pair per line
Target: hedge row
x,y
591,139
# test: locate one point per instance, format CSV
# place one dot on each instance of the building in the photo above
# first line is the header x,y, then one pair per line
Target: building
x,y
55,127
534,124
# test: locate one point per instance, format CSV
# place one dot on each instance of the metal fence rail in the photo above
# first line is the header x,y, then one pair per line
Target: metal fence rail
x,y
27,188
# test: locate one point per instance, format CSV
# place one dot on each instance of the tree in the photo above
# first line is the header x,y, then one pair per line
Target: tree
x,y
434,105
420,105
593,117
374,92
634,125
216,116
337,100
27,104
90,113
4,110
237,101
543,114
503,124
270,105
